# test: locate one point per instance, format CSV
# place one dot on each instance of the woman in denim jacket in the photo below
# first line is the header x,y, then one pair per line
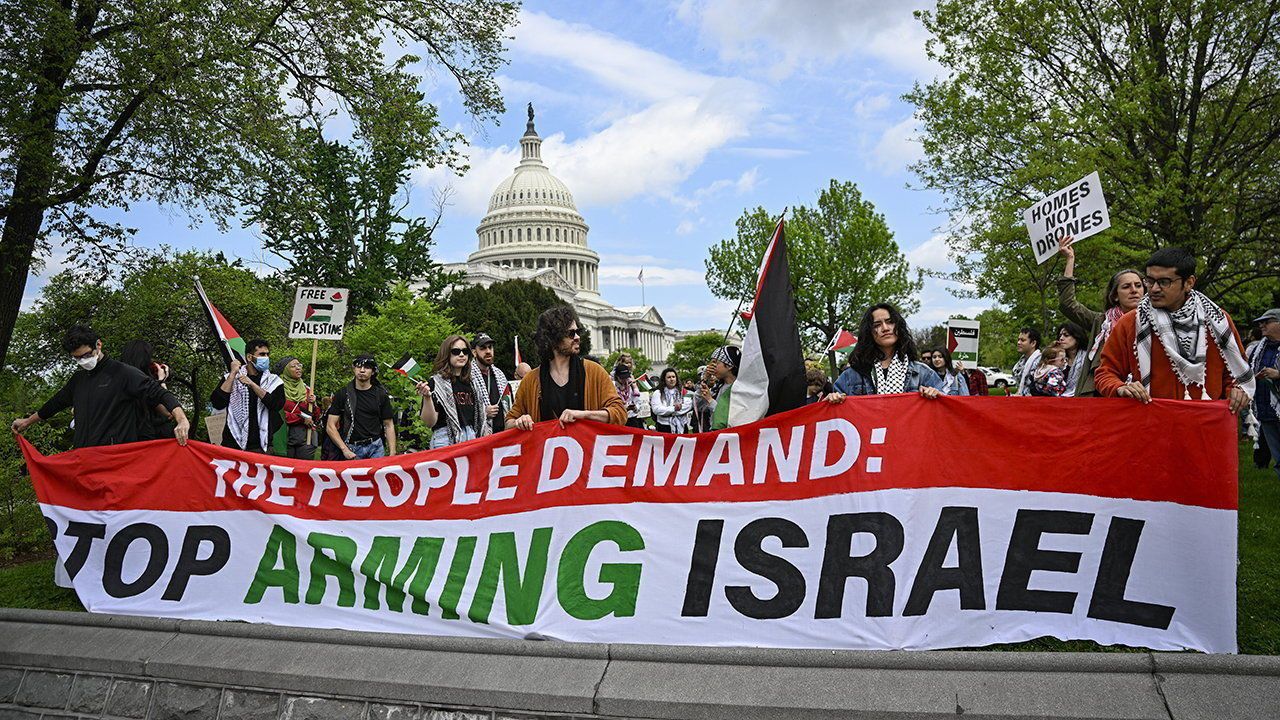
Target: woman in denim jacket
x,y
884,360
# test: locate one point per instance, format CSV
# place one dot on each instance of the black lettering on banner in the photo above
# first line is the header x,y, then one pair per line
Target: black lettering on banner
x,y
960,523
113,566
189,563
85,534
1025,556
838,566
1108,602
753,558
702,568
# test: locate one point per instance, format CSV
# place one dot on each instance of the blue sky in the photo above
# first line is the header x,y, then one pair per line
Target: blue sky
x,y
667,120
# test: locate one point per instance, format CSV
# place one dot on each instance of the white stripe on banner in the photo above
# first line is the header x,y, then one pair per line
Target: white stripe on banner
x,y
918,569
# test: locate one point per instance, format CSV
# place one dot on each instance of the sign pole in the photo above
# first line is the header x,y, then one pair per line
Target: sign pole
x,y
315,346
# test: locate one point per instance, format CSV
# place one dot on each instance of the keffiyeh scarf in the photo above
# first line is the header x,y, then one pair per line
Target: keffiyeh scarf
x,y
1183,334
892,379
500,378
442,393
1109,321
238,409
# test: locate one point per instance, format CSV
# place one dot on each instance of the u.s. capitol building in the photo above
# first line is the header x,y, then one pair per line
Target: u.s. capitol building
x,y
533,231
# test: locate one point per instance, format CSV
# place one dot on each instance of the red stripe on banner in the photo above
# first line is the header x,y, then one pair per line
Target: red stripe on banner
x,y
1181,452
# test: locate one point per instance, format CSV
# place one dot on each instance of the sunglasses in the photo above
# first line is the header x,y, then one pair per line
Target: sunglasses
x,y
366,364
573,333
459,351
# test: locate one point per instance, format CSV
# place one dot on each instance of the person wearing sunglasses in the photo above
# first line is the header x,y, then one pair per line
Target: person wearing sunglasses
x,y
360,422
104,394
563,386
1177,344
454,397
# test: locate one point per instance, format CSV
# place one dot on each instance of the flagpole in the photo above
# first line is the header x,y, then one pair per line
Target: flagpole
x,y
315,347
738,310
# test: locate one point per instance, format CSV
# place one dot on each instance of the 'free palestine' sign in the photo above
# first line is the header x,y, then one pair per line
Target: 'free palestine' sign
x,y
319,313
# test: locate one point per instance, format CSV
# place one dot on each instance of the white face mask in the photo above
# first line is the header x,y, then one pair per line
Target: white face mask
x,y
88,363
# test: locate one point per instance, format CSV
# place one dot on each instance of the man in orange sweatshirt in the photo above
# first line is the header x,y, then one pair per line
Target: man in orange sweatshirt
x,y
1177,344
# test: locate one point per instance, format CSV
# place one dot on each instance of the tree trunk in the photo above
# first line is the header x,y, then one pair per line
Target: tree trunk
x,y
16,248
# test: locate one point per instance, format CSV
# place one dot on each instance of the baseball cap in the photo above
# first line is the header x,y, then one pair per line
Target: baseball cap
x,y
481,339
1272,314
365,361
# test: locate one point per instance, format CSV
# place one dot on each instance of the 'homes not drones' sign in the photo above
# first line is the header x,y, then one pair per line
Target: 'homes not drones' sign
x,y
1079,209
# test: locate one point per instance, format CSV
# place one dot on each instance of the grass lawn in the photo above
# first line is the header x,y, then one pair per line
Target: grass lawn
x,y
30,585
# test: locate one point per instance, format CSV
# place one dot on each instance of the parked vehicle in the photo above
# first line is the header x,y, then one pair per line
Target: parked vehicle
x,y
996,377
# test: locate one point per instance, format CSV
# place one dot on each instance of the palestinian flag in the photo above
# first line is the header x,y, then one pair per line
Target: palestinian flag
x,y
230,342
842,342
319,312
407,367
771,378
643,383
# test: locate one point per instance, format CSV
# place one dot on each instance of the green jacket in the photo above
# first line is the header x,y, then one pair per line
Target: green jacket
x,y
1090,320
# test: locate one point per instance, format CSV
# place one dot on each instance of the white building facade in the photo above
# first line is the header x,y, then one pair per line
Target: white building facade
x,y
533,231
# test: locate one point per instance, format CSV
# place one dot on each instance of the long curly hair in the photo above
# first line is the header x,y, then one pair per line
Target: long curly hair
x,y
866,353
553,326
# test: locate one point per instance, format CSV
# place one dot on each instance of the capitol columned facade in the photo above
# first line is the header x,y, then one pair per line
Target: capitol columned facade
x,y
533,231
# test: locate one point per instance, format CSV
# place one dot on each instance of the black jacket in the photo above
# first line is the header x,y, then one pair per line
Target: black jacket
x,y
105,400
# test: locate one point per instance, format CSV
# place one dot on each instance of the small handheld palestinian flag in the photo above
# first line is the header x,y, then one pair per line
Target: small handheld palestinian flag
x,y
230,343
643,383
842,342
407,367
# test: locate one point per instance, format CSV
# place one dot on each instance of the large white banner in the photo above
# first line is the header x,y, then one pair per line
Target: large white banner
x,y
825,527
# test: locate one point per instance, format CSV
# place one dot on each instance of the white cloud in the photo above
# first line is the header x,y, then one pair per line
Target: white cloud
x,y
898,147
871,105
712,314
674,118
767,153
685,227
653,275
785,34
932,254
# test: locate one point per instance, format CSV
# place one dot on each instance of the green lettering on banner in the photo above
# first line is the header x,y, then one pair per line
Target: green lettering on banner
x,y
282,548
458,570
624,577
521,593
337,567
378,567
421,565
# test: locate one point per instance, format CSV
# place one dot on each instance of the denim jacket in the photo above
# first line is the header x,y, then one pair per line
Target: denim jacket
x,y
852,382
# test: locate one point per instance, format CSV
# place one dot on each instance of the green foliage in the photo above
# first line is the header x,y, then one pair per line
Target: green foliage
x,y
22,528
997,342
196,105
156,301
1172,103
505,310
403,323
642,362
842,255
338,222
689,353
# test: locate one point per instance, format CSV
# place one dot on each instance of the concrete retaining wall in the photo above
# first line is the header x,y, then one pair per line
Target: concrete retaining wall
x,y
75,665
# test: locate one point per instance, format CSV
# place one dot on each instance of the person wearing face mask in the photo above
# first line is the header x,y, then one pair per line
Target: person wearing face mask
x,y
253,397
105,394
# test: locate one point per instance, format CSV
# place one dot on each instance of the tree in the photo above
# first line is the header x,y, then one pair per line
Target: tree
x,y
505,310
155,301
195,104
842,255
642,362
1172,103
339,221
689,353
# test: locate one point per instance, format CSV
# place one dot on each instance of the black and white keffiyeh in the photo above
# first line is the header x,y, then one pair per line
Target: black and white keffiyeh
x,y
238,409
442,392
892,379
500,379
1184,335
1079,365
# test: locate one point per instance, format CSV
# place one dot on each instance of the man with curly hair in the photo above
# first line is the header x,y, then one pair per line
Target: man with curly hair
x,y
564,387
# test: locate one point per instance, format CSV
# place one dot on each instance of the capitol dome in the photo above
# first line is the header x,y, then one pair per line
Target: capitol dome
x,y
533,223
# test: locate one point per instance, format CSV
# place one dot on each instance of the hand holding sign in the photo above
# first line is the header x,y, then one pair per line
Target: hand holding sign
x,y
1078,210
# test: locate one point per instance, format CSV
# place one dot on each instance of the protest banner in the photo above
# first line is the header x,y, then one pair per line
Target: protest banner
x,y
962,339
829,526
1080,209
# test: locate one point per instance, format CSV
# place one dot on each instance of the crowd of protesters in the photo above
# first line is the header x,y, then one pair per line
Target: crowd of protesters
x,y
1156,337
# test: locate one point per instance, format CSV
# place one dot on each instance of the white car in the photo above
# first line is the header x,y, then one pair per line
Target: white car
x,y
996,377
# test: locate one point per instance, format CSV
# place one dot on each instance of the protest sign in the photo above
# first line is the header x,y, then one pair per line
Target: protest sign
x,y
318,313
962,339
1078,209
830,526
